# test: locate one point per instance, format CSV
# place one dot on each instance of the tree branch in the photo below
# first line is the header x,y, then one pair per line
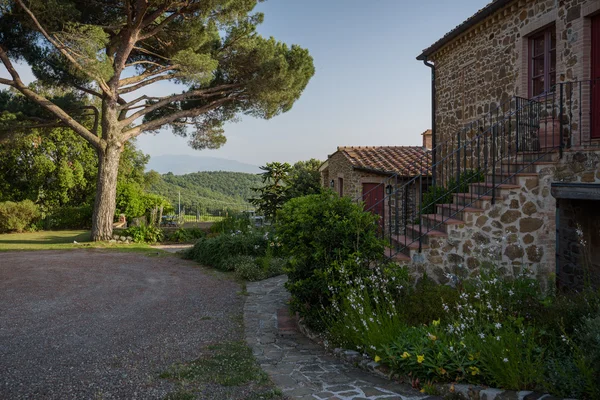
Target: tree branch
x,y
148,74
217,91
161,25
47,104
88,91
96,117
7,82
140,85
157,123
62,50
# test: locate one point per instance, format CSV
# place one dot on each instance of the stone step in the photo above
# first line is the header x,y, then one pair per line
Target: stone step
x,y
395,255
413,232
455,210
487,189
537,156
439,222
512,178
526,167
404,242
473,200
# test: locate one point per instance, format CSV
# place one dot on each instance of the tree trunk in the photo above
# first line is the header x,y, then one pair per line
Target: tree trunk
x,y
106,192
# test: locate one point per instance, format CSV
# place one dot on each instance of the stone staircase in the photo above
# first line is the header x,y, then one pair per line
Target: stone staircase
x,y
496,221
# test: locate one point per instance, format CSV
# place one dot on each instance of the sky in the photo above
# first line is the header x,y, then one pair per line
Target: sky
x,y
368,89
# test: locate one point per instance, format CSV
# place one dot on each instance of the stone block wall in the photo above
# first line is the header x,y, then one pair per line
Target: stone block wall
x,y
515,233
340,167
488,65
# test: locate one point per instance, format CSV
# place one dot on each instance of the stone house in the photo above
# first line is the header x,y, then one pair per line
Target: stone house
x,y
367,173
516,142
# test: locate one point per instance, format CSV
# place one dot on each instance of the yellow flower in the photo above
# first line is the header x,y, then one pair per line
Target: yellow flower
x,y
474,370
422,390
420,358
432,337
436,322
471,357
405,355
377,358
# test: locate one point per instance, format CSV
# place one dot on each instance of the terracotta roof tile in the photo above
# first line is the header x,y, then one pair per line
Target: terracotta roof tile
x,y
404,160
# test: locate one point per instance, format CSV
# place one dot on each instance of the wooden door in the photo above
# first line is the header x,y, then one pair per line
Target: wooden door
x,y
595,68
373,196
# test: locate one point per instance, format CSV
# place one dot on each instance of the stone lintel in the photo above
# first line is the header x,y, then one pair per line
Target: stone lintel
x,y
577,191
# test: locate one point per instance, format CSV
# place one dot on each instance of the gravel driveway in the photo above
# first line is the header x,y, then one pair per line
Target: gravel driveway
x,y
95,324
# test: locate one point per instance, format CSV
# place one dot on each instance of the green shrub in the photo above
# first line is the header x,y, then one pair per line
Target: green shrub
x,y
144,234
183,235
317,231
17,216
70,217
231,224
215,251
435,195
425,301
248,269
443,194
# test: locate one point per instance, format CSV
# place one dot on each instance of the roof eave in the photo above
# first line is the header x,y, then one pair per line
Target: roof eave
x,y
478,17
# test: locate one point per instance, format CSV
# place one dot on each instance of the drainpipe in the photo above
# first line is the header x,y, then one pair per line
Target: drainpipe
x,y
433,130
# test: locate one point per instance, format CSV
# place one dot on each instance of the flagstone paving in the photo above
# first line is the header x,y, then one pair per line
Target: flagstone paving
x,y
300,367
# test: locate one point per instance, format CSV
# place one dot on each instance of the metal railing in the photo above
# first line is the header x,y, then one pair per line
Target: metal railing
x,y
481,159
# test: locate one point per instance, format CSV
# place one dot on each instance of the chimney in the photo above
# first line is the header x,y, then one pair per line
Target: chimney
x,y
427,139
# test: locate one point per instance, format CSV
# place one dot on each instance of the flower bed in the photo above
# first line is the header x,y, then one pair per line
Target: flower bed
x,y
488,331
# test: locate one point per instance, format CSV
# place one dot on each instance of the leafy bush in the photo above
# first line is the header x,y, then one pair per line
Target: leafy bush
x,y
443,194
17,216
70,217
256,268
144,234
215,251
183,235
317,231
231,224
134,202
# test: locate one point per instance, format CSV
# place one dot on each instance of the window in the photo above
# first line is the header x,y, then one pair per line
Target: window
x,y
341,186
542,50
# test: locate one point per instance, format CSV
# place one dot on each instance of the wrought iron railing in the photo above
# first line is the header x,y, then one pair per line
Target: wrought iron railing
x,y
481,159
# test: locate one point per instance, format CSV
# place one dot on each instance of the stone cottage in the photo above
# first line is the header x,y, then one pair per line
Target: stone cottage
x,y
367,173
516,143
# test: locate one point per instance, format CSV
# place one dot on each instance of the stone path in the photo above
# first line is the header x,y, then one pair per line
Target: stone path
x,y
298,366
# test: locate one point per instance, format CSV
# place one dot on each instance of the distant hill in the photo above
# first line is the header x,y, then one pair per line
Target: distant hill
x,y
185,164
214,190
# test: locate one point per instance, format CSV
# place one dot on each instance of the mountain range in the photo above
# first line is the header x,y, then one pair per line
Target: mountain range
x,y
185,164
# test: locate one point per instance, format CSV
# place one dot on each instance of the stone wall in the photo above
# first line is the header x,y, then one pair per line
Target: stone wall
x,y
406,209
488,65
516,233
340,167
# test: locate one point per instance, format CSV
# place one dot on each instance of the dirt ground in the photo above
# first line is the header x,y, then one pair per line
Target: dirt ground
x,y
96,324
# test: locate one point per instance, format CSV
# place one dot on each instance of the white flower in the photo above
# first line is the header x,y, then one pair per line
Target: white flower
x,y
451,348
498,325
505,360
510,292
481,335
498,338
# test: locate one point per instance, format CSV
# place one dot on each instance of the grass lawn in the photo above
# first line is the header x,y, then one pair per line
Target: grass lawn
x,y
59,240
